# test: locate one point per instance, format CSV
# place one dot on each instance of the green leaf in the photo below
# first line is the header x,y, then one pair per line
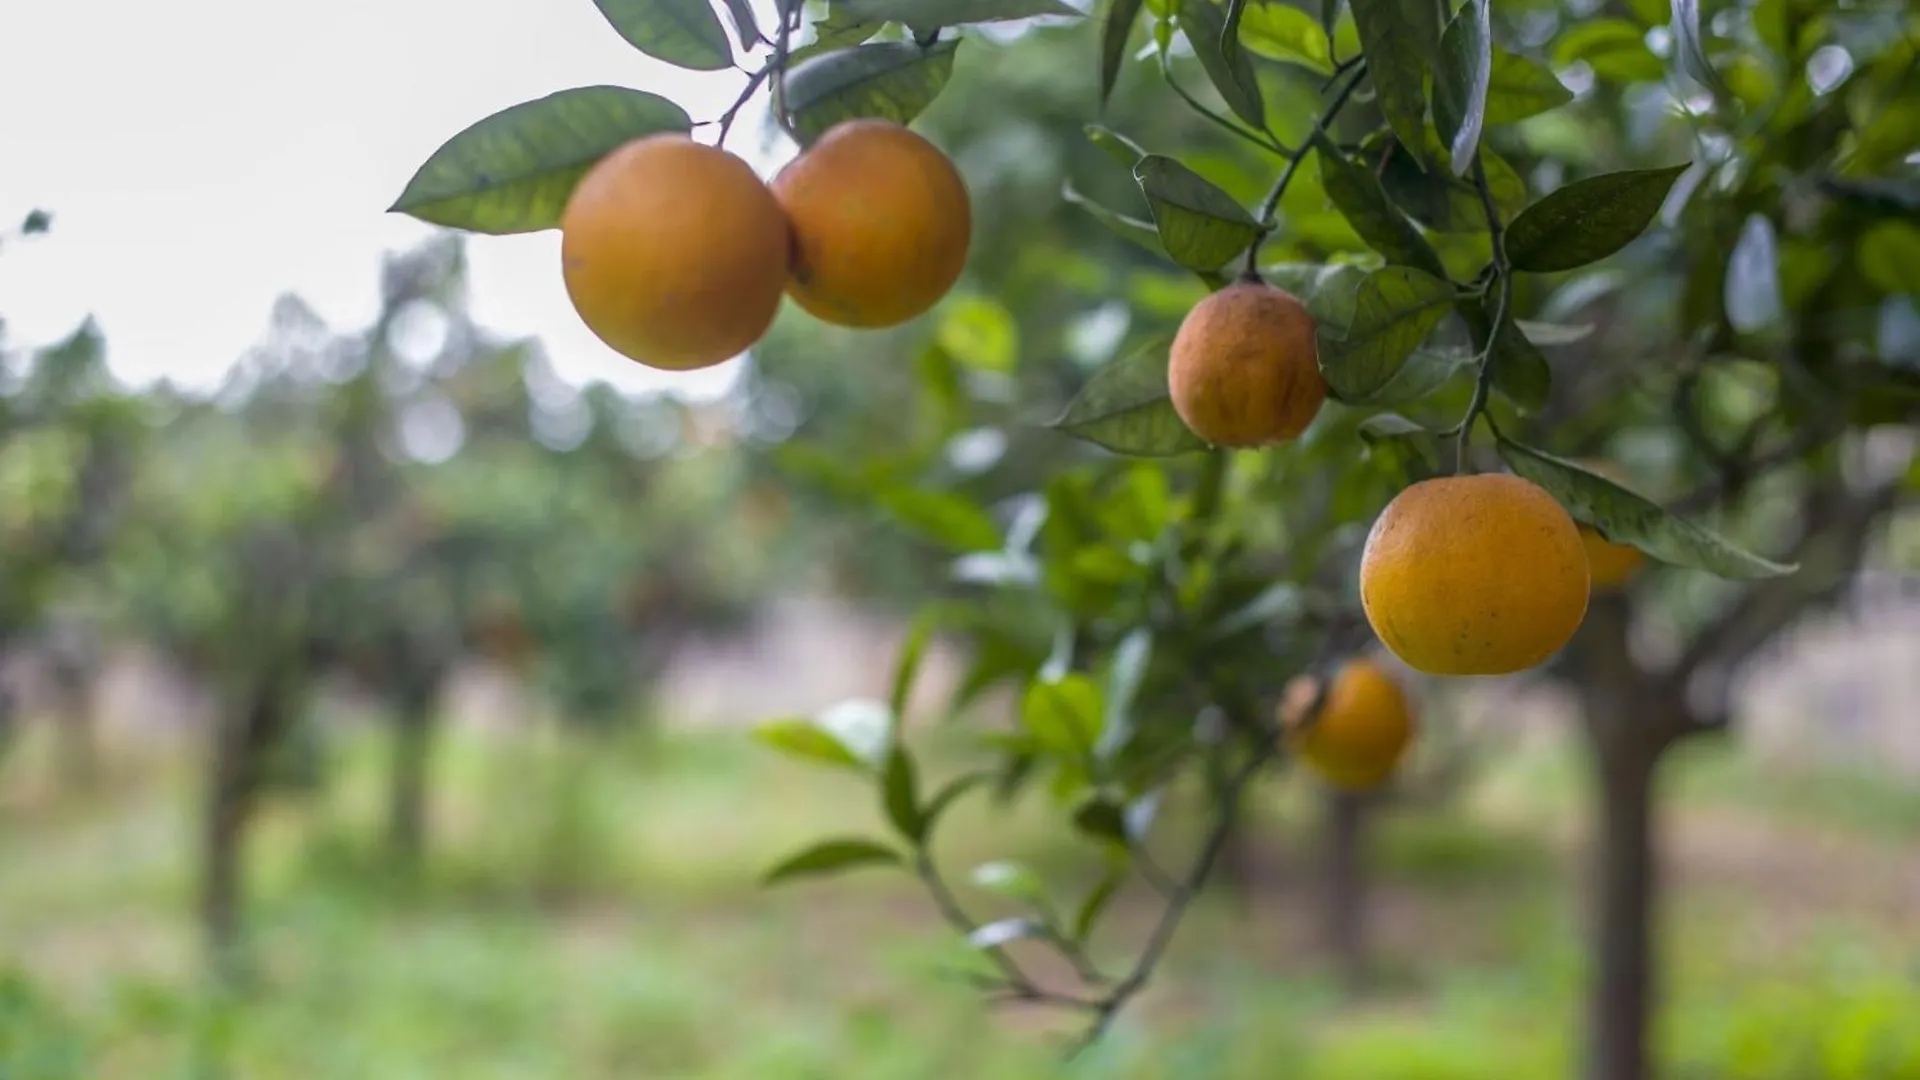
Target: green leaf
x,y
1102,819
1889,257
837,31
1460,85
1546,333
1587,220
1200,225
1626,518
1395,309
1088,914
1117,146
1692,47
900,795
1225,62
1129,670
1401,39
861,725
1125,408
801,738
979,332
943,516
944,799
926,16
745,26
1518,88
890,80
1115,31
1520,373
1356,191
1282,32
514,171
907,668
1423,373
832,857
36,222
684,33
1615,49
1127,228
1064,714
1013,881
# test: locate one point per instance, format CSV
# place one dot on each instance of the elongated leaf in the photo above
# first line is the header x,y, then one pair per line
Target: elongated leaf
x,y
1546,333
951,793
1424,372
1123,685
1102,819
1115,31
1117,146
1587,220
1460,86
943,516
1225,62
900,794
928,15
1394,311
684,33
1282,32
745,26
801,738
1627,518
1615,49
1064,714
1692,47
514,171
1520,373
1361,200
1401,39
837,31
1200,225
1518,88
907,668
1125,408
890,80
1087,915
1122,225
832,857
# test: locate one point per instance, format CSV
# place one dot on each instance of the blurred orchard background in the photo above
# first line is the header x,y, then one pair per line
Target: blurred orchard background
x,y
380,709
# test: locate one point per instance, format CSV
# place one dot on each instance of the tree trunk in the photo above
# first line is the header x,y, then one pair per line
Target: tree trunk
x,y
1625,991
407,796
243,735
1346,886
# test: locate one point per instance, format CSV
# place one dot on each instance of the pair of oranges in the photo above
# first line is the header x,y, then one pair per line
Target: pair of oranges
x,y
676,254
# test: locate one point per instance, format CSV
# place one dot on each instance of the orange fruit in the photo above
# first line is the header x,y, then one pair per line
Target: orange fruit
x,y
1474,575
1610,565
1361,732
674,252
1245,369
881,224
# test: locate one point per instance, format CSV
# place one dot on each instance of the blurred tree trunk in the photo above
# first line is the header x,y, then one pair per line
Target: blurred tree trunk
x,y
415,727
79,745
1345,818
242,736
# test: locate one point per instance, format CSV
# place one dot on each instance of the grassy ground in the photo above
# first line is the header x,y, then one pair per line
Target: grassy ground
x,y
589,911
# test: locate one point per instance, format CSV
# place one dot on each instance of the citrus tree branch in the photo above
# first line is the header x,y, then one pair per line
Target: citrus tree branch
x,y
1272,202
1503,272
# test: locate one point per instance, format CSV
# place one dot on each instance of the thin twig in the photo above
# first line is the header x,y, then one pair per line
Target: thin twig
x,y
1272,202
1261,139
1018,984
733,111
1483,382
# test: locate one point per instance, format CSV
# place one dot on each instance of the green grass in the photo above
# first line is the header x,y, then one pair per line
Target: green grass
x,y
588,911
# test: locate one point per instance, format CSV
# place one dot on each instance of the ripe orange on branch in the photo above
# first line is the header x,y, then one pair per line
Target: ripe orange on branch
x,y
1245,369
674,252
1360,732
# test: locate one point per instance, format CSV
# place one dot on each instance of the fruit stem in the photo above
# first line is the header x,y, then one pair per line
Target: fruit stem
x,y
1503,272
1294,158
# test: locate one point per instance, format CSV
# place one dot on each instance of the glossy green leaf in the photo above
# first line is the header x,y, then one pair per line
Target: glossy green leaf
x,y
942,516
1116,29
1225,62
745,27
1627,518
890,80
900,794
1124,226
832,857
1064,714
928,15
1200,225
1692,47
1087,915
1401,39
1356,191
1518,88
1889,256
1460,85
1125,407
1520,373
1615,49
514,171
1423,373
805,740
1327,289
837,31
1283,32
1117,146
1395,309
1587,220
1102,819
684,33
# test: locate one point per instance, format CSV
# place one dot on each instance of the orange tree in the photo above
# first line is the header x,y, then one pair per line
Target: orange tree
x,y
1433,187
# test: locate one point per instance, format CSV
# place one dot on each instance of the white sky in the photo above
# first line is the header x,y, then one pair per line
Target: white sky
x,y
201,157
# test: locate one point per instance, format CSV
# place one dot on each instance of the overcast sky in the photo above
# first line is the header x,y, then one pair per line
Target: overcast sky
x,y
201,157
